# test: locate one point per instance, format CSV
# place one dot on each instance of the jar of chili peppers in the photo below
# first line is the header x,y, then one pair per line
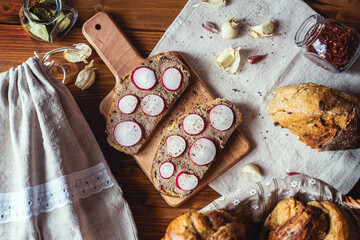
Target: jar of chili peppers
x,y
328,43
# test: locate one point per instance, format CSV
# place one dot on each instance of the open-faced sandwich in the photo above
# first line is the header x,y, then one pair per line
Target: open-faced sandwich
x,y
190,144
142,99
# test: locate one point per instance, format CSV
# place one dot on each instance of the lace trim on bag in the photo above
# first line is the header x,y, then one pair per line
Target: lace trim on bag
x,y
31,201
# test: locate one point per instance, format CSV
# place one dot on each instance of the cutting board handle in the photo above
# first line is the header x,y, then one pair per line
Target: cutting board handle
x,y
111,44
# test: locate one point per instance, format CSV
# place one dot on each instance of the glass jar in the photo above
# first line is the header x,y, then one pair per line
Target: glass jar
x,y
47,20
328,43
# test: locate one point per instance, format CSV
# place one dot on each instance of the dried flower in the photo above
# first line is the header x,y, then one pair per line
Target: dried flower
x,y
210,27
256,59
230,29
265,29
86,77
252,169
79,54
213,3
229,59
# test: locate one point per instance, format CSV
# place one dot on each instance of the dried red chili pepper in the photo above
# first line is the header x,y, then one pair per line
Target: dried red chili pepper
x,y
329,40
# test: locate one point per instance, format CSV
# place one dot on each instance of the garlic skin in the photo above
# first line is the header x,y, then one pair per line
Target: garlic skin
x,y
210,27
252,169
229,59
81,53
230,29
213,3
86,77
265,29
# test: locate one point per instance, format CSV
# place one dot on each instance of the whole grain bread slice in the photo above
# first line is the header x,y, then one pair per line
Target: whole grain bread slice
x,y
183,163
158,63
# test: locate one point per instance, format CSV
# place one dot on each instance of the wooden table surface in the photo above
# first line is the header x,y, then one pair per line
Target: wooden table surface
x,y
144,22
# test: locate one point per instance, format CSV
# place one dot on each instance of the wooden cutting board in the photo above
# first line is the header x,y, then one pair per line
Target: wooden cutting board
x,y
121,57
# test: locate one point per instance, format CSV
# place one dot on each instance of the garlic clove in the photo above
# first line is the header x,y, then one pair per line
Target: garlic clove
x,y
256,59
252,169
226,57
230,29
213,3
86,77
236,63
229,59
265,29
210,27
81,53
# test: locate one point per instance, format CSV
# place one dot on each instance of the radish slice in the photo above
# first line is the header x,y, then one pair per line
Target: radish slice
x,y
186,181
152,105
143,78
127,133
175,145
202,151
221,117
166,169
128,103
193,124
171,79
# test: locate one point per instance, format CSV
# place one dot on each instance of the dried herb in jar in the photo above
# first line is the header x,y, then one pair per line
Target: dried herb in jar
x,y
328,43
47,20
335,44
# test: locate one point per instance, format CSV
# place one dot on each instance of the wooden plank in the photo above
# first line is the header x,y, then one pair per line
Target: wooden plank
x,y
157,15
151,214
149,15
121,57
345,11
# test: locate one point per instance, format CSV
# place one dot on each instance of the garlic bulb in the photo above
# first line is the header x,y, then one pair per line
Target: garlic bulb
x,y
81,53
252,169
213,3
265,29
229,59
86,77
230,29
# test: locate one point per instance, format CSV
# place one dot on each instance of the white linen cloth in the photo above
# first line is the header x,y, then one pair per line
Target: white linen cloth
x,y
275,150
55,182
256,201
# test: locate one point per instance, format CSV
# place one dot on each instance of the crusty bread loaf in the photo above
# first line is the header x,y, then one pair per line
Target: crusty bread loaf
x,y
183,163
158,64
292,219
322,118
214,224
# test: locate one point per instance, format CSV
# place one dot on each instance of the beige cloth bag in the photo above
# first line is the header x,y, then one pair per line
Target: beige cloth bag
x,y
55,182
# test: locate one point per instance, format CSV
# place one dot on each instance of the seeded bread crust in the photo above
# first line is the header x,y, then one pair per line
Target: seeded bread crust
x,y
322,118
312,220
159,63
214,224
183,163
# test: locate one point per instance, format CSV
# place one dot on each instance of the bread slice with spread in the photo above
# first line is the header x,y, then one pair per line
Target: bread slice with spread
x,y
142,100
190,144
322,117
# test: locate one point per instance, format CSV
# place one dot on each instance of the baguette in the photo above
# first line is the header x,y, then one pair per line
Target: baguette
x,y
322,118
183,163
146,123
